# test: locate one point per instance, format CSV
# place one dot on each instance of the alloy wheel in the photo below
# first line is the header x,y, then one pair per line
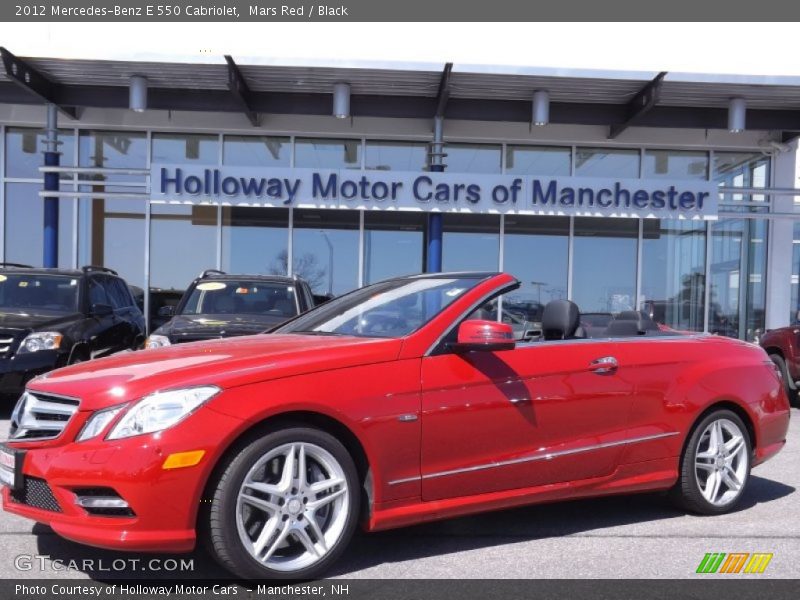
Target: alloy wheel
x,y
721,462
292,506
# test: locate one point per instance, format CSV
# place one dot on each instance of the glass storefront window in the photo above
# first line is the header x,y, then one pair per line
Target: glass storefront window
x,y
322,153
24,149
606,162
538,160
109,233
256,151
325,249
741,169
795,281
24,235
471,242
473,158
396,156
673,273
393,244
255,240
604,264
185,148
675,164
535,252
173,265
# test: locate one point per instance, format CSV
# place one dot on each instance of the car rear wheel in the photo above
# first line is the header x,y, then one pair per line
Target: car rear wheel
x,y
285,506
791,392
715,466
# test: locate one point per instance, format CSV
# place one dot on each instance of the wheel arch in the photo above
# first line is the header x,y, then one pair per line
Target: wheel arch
x,y
298,418
734,407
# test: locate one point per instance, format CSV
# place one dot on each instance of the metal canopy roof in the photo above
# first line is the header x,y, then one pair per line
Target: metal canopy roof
x,y
480,93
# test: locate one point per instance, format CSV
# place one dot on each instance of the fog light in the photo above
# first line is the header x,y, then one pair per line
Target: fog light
x,y
180,460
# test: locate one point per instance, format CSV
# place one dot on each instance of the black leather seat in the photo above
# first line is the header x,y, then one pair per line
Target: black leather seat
x,y
631,322
561,320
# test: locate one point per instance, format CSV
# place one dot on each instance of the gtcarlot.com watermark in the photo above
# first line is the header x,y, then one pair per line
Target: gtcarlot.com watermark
x,y
45,563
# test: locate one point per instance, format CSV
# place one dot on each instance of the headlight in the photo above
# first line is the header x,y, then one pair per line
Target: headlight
x,y
44,340
157,341
161,410
98,422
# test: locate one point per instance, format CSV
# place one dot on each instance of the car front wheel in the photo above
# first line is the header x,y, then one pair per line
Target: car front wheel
x,y
285,506
715,465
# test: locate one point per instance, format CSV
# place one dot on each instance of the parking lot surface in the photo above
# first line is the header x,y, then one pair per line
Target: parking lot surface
x,y
638,536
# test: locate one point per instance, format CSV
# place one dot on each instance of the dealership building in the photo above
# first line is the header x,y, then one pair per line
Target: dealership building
x,y
673,193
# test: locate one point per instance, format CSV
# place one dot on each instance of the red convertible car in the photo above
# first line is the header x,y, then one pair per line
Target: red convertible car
x,y
392,405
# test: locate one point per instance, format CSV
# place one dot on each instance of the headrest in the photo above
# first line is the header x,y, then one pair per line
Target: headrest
x,y
629,315
623,328
560,319
642,320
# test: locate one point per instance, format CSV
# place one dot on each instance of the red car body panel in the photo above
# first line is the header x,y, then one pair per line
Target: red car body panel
x,y
442,434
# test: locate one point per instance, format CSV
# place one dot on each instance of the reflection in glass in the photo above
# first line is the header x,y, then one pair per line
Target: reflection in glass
x,y
795,281
24,235
471,242
325,249
396,156
256,151
393,244
324,153
606,162
538,160
25,147
536,253
604,269
675,164
109,231
174,266
741,169
673,273
255,240
473,158
187,148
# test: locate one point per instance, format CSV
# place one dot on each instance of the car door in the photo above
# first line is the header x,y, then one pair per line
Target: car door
x,y
104,331
542,413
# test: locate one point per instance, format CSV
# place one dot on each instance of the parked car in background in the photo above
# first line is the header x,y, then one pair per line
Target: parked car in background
x,y
50,318
385,407
783,347
219,305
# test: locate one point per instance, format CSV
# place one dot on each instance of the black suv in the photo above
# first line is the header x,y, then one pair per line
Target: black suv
x,y
55,317
219,305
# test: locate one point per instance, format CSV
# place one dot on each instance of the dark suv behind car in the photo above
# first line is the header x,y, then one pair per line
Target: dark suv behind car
x,y
54,317
218,305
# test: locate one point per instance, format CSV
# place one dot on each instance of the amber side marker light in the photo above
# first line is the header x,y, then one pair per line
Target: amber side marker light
x,y
180,460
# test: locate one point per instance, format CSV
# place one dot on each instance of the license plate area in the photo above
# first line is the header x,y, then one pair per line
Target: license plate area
x,y
11,467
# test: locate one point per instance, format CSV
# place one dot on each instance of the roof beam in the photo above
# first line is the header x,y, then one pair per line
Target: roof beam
x,y
241,91
444,90
642,103
32,81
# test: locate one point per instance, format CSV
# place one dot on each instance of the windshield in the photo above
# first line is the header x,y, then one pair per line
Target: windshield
x,y
30,292
241,297
388,309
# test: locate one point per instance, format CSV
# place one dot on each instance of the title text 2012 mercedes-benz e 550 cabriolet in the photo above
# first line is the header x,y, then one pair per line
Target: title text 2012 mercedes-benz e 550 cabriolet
x,y
392,405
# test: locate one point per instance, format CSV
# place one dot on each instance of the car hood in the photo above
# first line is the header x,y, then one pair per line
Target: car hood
x,y
226,363
35,319
195,327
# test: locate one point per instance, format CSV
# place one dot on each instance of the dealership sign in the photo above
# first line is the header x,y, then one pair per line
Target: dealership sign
x,y
435,192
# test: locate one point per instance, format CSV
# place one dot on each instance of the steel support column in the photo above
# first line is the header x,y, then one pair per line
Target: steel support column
x,y
51,184
435,220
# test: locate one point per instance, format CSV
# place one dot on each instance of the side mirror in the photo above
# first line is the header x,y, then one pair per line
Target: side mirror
x,y
101,310
166,311
487,336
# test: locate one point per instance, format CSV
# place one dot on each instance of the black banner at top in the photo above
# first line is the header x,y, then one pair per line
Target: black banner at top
x,y
399,10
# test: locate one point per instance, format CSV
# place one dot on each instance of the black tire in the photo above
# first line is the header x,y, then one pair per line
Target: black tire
x,y
224,541
78,356
687,493
791,392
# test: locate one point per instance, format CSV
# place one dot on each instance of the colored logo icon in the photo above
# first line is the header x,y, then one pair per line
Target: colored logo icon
x,y
735,562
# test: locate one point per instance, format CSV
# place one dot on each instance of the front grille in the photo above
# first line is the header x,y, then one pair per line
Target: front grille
x,y
36,493
7,343
39,416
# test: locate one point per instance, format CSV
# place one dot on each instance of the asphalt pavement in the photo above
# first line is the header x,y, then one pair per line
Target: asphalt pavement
x,y
640,536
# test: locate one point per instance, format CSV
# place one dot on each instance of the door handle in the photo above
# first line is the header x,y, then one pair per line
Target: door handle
x,y
606,364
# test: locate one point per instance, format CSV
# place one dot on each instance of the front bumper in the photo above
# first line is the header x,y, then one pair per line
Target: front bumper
x,y
164,502
17,370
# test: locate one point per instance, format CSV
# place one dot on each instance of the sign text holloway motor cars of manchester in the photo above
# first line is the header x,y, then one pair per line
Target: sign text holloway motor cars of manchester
x,y
430,192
